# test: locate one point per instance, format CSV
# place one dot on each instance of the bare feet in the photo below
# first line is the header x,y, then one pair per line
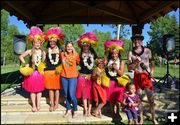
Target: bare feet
x,y
51,108
56,107
38,108
141,121
67,113
95,113
34,109
118,116
89,114
154,122
85,113
74,114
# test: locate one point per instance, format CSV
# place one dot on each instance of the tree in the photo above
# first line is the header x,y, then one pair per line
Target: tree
x,y
163,25
72,32
7,33
102,36
4,22
123,32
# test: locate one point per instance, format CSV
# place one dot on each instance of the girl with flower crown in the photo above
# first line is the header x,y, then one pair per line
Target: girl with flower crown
x,y
87,59
54,36
115,69
34,80
70,60
98,90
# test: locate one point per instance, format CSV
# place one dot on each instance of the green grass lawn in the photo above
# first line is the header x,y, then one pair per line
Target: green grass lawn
x,y
9,68
161,71
4,86
158,73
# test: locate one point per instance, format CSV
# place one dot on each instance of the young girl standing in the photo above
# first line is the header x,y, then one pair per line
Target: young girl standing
x,y
87,59
99,93
115,68
34,83
70,59
131,102
52,80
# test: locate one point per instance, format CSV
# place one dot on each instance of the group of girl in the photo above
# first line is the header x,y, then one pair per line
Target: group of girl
x,y
86,84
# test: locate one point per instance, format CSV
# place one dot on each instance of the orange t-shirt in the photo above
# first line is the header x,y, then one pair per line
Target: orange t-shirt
x,y
69,63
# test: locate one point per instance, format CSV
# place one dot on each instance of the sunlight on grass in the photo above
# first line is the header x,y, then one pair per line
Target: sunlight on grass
x,y
9,68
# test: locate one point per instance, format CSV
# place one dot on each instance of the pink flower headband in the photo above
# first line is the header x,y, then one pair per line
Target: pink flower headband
x,y
35,34
55,34
89,37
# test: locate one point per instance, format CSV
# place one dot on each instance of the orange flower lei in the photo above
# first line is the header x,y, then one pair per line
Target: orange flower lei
x,y
69,59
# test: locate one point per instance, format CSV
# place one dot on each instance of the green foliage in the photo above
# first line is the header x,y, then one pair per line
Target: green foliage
x,y
4,22
47,26
7,33
103,36
72,32
123,32
127,48
163,25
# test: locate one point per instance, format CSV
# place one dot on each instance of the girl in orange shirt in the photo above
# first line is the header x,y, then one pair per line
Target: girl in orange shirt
x,y
69,73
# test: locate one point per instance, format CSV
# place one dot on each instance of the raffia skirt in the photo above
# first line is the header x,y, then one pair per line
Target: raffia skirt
x,y
52,80
115,92
34,82
84,88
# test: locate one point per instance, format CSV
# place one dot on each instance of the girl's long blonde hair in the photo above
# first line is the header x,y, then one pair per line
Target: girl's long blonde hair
x,y
33,54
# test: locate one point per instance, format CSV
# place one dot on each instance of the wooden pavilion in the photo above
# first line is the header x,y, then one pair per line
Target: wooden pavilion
x,y
135,13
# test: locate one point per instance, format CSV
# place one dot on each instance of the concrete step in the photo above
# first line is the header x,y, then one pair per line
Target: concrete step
x,y
51,119
22,114
26,109
171,95
20,100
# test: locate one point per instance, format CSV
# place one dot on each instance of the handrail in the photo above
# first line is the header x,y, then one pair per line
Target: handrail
x,y
15,77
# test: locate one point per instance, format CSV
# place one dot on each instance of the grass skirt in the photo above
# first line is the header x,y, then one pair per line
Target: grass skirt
x,y
34,82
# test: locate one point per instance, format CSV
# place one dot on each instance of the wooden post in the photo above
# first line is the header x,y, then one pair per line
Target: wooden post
x,y
118,31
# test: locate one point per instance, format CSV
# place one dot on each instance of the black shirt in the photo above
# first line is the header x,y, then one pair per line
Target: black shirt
x,y
49,65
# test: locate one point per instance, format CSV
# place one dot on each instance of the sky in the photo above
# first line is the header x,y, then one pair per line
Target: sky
x,y
88,28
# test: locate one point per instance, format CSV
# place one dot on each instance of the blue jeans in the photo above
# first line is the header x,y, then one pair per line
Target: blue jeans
x,y
131,115
69,87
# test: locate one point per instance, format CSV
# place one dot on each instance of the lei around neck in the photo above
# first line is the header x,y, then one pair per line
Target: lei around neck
x,y
138,54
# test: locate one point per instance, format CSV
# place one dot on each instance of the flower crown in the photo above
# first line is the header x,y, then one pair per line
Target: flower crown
x,y
114,46
101,60
55,34
89,37
35,34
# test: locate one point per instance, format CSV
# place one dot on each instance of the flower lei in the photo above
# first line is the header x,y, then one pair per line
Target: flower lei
x,y
110,69
85,58
50,56
68,59
37,58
